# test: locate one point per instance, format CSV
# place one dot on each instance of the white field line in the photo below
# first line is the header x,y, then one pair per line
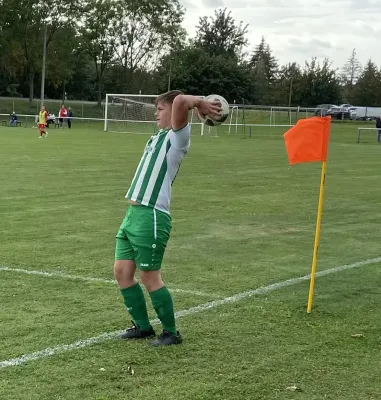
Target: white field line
x,y
50,351
88,279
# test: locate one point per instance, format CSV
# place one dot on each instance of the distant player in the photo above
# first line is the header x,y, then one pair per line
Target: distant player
x,y
145,230
42,121
62,115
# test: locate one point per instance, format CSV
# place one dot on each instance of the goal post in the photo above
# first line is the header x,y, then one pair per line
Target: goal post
x,y
232,118
230,126
290,115
135,113
130,113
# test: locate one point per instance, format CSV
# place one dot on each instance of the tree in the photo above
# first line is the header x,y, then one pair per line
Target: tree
x,y
81,85
221,35
263,54
145,30
261,83
10,68
264,69
98,38
367,90
350,73
288,85
23,25
61,56
140,80
197,72
23,37
319,84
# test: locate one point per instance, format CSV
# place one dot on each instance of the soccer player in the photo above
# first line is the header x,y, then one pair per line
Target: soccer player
x,y
62,115
145,230
42,121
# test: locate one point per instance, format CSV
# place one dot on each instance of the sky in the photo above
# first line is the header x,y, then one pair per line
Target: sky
x,y
299,30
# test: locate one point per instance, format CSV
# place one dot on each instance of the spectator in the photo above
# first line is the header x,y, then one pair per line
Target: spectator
x,y
13,120
48,121
62,115
378,125
69,117
51,119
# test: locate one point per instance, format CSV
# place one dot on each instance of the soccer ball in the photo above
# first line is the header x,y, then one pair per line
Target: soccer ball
x,y
212,121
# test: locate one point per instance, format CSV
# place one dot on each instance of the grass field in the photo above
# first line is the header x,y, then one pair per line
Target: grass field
x,y
242,219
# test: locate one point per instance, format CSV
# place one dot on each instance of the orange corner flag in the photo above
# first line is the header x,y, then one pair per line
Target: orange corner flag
x,y
307,141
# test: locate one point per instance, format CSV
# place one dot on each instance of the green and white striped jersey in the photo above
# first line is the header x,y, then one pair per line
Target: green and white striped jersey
x,y
158,167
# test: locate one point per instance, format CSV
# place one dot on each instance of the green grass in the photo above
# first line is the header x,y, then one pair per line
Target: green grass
x,y
242,218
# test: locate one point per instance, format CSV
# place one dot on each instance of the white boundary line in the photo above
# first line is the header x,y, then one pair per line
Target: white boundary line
x,y
50,351
87,279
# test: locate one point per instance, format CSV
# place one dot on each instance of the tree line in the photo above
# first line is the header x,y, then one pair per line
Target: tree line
x,y
94,47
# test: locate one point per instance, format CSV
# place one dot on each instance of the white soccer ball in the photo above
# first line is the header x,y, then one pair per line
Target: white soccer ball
x,y
213,121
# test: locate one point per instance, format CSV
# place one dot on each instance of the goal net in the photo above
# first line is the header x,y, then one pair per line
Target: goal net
x,y
230,126
291,115
135,113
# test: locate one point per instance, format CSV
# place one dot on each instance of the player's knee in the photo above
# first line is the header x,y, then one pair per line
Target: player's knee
x,y
151,280
124,271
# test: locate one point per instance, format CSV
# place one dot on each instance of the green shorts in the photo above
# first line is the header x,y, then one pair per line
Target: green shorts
x,y
143,237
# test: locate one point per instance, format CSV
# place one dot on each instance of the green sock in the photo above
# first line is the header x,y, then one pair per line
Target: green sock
x,y
136,305
163,305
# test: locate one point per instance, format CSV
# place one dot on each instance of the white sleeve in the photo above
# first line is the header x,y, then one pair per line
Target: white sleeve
x,y
181,138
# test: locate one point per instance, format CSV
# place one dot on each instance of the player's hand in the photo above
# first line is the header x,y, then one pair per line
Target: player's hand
x,y
211,108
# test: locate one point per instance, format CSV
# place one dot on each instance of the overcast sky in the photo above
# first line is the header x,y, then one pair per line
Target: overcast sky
x,y
298,30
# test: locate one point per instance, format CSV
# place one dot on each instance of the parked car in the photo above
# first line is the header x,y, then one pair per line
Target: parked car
x,y
339,113
346,106
321,109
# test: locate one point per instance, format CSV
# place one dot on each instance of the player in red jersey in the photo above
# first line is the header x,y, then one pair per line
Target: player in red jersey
x,y
62,115
42,121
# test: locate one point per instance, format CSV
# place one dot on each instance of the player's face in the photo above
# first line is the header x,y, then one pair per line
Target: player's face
x,y
163,115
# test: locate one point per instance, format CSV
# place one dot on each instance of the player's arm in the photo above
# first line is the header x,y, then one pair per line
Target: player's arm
x,y
180,110
183,103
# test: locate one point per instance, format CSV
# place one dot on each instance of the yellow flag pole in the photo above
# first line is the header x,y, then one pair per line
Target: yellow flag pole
x,y
317,236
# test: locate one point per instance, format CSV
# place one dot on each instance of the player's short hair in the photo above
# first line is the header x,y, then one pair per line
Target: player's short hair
x,y
168,97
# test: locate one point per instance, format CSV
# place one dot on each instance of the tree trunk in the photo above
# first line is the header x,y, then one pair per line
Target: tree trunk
x,y
125,78
100,92
31,86
64,92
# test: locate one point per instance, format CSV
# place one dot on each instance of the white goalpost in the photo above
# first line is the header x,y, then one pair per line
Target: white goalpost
x,y
232,109
135,113
233,123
